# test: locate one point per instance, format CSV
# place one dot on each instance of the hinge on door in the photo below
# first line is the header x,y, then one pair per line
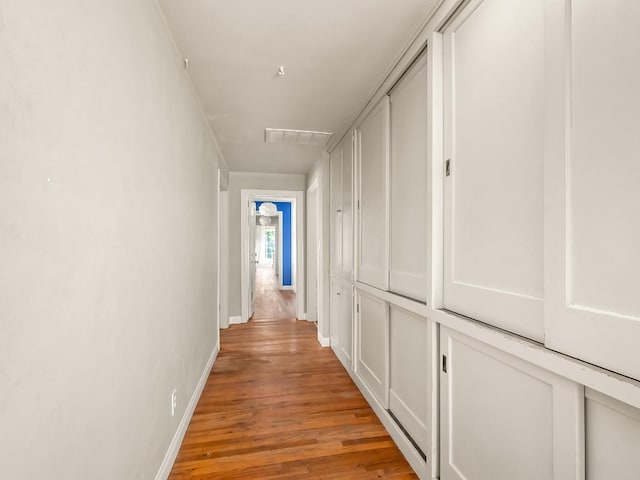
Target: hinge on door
x,y
444,363
357,308
358,204
447,168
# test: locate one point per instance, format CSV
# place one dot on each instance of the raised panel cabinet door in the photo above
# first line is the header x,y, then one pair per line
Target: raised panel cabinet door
x,y
346,326
373,169
336,210
502,418
493,59
410,364
373,346
612,438
409,184
592,309
347,207
336,311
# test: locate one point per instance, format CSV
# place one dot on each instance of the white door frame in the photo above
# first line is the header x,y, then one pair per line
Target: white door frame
x,y
324,341
223,262
296,198
279,249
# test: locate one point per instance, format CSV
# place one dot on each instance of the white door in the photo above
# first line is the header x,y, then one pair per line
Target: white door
x,y
502,418
312,253
410,366
494,75
373,220
253,257
409,184
373,346
336,210
346,214
593,183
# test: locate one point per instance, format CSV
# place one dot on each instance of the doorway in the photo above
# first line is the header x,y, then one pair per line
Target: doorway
x,y
282,284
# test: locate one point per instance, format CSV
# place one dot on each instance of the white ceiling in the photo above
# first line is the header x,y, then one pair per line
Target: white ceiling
x,y
335,52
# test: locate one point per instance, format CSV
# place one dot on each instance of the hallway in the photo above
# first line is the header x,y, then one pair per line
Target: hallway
x,y
277,405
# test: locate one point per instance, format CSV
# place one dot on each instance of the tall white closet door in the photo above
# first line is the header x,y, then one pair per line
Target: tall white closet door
x,y
347,207
593,183
494,142
373,169
409,184
336,210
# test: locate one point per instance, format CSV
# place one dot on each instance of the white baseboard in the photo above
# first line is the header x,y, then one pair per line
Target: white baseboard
x,y
303,316
324,341
235,320
398,436
176,441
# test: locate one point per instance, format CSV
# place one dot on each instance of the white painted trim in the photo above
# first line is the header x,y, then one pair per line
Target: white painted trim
x,y
612,384
324,341
280,262
218,273
287,287
235,320
303,316
409,304
176,441
315,186
296,197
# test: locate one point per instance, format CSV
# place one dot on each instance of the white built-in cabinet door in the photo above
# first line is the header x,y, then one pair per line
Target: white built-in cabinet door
x,y
373,220
409,184
336,210
592,180
410,364
372,364
342,321
502,418
494,75
612,431
346,267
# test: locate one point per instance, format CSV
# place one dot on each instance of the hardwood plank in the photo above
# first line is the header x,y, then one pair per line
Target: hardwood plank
x,y
279,406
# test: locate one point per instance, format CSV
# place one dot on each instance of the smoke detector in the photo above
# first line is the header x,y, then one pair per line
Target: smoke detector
x,y
296,137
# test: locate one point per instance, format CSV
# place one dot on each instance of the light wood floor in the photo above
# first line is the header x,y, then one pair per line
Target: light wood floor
x,y
279,406
271,302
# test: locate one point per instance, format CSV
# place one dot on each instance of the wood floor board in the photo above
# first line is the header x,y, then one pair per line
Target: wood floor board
x,y
278,406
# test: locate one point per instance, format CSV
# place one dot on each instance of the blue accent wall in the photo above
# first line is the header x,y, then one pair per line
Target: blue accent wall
x,y
285,208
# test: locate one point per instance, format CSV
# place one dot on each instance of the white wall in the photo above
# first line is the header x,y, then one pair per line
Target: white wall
x,y
320,171
107,239
255,181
